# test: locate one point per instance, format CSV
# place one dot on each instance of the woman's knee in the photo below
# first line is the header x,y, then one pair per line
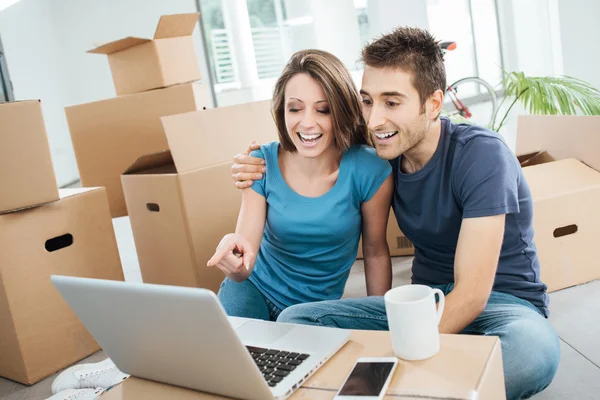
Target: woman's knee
x,y
242,299
299,314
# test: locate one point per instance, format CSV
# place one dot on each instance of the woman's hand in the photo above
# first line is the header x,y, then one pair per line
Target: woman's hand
x,y
247,169
234,257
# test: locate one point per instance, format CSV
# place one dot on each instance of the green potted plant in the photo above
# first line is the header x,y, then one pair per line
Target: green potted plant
x,y
547,95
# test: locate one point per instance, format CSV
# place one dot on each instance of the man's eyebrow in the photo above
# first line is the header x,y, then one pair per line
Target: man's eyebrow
x,y
386,94
397,94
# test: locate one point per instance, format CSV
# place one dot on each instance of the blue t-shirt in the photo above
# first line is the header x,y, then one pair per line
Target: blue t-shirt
x,y
471,174
309,244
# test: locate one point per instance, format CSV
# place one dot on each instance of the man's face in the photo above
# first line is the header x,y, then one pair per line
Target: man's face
x,y
393,111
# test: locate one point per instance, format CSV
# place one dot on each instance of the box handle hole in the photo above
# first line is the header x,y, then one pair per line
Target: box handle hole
x,y
59,242
565,230
153,207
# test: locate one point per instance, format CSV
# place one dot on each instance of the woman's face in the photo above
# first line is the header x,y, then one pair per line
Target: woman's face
x,y
307,116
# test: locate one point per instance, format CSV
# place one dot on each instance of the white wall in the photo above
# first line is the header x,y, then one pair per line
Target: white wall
x,y
46,42
579,32
330,25
527,46
344,39
386,15
33,59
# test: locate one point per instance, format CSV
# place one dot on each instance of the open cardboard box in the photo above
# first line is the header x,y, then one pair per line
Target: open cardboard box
x,y
26,173
74,236
182,202
170,58
566,194
109,135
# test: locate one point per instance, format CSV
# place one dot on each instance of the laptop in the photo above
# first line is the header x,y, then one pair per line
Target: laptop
x,y
183,337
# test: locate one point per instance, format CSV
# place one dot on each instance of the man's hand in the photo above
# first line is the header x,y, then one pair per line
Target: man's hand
x,y
246,169
234,257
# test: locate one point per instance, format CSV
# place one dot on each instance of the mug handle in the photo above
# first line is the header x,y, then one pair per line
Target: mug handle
x,y
441,303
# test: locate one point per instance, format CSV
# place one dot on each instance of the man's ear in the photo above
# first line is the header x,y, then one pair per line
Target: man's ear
x,y
435,104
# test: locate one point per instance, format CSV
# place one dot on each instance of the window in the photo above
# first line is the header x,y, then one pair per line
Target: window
x,y
268,37
278,29
220,57
5,86
362,14
472,24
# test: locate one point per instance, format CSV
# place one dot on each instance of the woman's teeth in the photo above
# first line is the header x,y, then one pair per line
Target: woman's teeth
x,y
385,135
309,138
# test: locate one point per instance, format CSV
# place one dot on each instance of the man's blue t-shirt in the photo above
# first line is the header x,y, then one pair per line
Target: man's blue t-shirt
x,y
309,244
471,174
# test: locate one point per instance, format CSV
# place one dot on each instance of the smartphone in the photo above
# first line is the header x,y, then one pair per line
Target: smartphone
x,y
369,379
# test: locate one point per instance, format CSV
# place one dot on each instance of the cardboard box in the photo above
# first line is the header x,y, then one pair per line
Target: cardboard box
x,y
398,243
566,194
39,334
109,135
561,136
26,173
181,203
170,58
467,367
540,157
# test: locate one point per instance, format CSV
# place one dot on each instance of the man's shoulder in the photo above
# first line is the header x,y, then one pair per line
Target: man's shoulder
x,y
475,138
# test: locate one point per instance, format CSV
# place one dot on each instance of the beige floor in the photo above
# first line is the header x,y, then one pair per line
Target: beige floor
x,y
574,315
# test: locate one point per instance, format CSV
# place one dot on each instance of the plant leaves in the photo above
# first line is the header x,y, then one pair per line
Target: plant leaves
x,y
548,95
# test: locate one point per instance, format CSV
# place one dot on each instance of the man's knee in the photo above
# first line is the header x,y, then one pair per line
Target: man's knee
x,y
532,353
363,313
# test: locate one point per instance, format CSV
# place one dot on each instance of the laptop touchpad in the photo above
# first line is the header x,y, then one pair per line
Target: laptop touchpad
x,y
262,332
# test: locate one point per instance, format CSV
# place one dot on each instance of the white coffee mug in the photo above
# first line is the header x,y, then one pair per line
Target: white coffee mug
x,y
413,320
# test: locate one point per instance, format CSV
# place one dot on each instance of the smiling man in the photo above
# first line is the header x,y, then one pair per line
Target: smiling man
x,y
462,200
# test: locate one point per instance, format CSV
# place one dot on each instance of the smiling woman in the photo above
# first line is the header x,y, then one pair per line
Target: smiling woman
x,y
299,226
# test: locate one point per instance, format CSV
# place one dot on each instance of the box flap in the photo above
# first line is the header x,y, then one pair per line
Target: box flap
x,y
203,138
559,178
68,192
27,174
539,157
19,102
176,25
563,136
150,161
118,45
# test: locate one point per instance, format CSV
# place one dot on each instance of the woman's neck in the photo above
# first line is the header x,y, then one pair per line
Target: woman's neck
x,y
324,165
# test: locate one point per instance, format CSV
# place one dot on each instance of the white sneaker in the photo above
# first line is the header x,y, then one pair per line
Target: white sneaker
x,y
77,394
103,374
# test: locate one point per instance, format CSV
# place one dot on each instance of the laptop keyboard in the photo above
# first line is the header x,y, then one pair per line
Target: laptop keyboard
x,y
275,364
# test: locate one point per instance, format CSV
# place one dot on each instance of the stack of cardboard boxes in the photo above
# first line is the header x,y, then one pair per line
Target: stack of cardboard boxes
x,y
44,231
152,78
561,161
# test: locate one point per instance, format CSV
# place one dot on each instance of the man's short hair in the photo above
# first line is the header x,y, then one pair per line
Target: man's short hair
x,y
414,51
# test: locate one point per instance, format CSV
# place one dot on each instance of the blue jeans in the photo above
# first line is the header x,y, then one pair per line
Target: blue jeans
x,y
530,346
243,299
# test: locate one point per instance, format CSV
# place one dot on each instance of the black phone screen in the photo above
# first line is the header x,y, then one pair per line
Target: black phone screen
x,y
367,379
